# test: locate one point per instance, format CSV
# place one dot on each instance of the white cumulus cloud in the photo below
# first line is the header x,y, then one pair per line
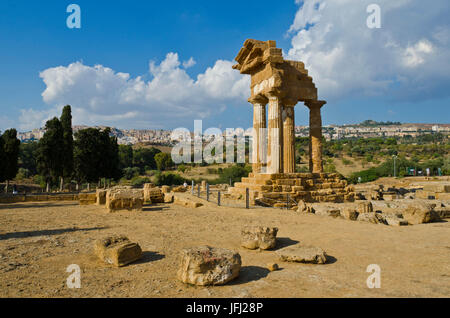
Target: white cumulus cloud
x,y
408,58
100,95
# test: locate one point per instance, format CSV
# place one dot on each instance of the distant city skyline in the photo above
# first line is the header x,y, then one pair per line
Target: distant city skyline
x,y
330,132
156,65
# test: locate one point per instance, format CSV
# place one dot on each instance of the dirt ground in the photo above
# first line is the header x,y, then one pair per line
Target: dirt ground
x,y
38,241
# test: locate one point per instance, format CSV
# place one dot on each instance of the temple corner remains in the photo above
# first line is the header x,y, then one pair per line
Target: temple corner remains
x,y
281,84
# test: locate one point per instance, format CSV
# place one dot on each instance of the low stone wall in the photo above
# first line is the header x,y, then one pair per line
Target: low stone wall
x,y
38,198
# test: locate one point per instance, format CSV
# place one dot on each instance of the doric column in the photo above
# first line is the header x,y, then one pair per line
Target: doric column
x,y
288,139
275,132
315,135
259,152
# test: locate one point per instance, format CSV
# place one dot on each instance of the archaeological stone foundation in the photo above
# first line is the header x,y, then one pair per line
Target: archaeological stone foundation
x,y
280,85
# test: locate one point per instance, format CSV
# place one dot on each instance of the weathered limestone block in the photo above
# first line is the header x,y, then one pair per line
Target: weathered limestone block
x,y
421,194
443,196
350,213
101,197
168,197
206,265
302,254
179,189
153,194
372,217
418,213
117,250
87,198
395,221
186,202
324,210
442,212
304,208
376,195
364,207
254,237
390,196
166,189
124,199
443,188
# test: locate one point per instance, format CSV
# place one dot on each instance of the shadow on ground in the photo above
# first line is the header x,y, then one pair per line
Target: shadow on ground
x,y
148,257
284,242
249,274
152,208
8,236
330,260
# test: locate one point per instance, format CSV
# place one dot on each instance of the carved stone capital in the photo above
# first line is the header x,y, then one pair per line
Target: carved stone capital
x,y
315,103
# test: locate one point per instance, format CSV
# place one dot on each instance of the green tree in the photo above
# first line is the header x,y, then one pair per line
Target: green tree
x,y
66,123
163,161
27,156
11,147
144,158
125,156
50,158
96,155
87,155
110,167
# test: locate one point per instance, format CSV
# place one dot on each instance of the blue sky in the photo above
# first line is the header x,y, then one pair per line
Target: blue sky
x,y
128,64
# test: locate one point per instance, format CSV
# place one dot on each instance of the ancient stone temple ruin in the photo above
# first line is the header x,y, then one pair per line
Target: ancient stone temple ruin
x,y
281,84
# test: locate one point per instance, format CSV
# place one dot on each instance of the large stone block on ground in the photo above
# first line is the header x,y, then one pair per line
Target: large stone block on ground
x,y
304,208
124,199
186,202
395,221
372,217
253,237
180,189
206,265
153,194
324,210
349,213
418,213
364,207
101,197
421,194
87,198
166,189
443,196
302,254
444,188
168,197
117,250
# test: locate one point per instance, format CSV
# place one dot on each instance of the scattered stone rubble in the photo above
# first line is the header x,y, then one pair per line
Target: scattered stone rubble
x,y
395,213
